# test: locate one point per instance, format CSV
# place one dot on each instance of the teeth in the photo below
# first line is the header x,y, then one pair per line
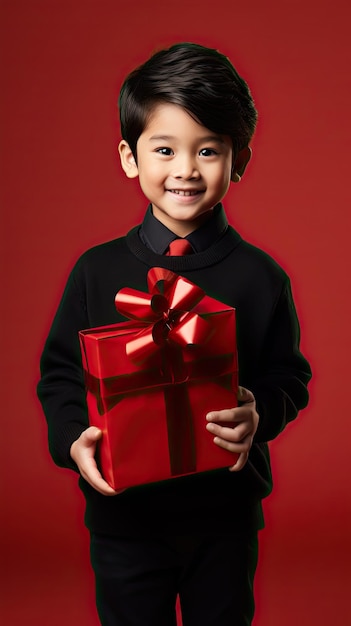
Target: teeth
x,y
184,193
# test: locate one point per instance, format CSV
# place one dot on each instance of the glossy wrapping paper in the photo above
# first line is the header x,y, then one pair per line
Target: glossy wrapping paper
x,y
150,381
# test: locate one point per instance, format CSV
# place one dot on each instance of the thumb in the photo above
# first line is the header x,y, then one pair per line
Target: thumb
x,y
92,434
245,395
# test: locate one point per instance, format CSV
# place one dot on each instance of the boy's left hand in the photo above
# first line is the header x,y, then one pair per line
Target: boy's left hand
x,y
242,422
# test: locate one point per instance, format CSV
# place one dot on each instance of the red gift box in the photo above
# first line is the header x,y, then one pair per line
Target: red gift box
x,y
151,381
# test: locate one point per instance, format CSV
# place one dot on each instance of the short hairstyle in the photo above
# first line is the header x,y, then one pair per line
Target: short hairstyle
x,y
199,79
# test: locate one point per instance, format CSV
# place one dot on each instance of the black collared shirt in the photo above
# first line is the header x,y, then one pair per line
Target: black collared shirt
x,y
157,237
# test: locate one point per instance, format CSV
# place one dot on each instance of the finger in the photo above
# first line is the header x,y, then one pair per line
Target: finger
x,y
235,434
98,483
92,475
242,460
236,414
91,434
235,447
245,395
224,415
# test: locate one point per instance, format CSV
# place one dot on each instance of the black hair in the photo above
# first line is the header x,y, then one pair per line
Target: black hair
x,y
199,79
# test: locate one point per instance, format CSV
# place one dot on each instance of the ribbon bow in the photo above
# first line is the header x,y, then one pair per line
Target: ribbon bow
x,y
166,311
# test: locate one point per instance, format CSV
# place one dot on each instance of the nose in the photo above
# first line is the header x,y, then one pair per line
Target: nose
x,y
186,167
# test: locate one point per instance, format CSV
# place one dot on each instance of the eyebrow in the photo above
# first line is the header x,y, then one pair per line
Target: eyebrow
x,y
172,138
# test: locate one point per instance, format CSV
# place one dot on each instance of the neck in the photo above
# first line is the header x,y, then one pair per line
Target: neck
x,y
179,227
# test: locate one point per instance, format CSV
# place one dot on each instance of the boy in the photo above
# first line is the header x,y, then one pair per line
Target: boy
x,y
187,119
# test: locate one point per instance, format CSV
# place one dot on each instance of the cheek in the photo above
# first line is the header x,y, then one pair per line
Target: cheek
x,y
224,180
150,175
228,177
221,178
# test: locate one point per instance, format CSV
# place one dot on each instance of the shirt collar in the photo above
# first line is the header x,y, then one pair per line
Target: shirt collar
x,y
157,236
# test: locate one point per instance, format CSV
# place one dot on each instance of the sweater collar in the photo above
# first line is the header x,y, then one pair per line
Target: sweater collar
x,y
214,254
157,237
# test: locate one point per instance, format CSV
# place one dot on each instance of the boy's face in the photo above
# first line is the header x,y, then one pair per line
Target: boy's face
x,y
184,169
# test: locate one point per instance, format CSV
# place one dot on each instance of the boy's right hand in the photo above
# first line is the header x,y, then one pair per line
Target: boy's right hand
x,y
83,452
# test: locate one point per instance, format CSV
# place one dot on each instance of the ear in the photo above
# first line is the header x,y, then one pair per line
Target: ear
x,y
240,163
128,162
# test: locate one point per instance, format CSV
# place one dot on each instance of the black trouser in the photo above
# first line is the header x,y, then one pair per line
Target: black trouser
x,y
138,579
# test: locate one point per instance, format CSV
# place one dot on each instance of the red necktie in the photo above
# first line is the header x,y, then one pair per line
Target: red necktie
x,y
179,247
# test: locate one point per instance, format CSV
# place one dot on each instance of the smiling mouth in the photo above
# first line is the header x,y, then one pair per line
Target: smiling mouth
x,y
181,192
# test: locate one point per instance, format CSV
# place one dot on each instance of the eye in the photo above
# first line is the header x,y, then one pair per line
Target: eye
x,y
165,151
206,152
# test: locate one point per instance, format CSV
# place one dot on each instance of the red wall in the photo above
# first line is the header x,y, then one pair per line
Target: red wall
x,y
62,191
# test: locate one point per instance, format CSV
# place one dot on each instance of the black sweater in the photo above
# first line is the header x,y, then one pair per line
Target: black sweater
x,y
270,365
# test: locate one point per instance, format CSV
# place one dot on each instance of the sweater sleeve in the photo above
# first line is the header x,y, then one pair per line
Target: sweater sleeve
x,y
280,388
61,389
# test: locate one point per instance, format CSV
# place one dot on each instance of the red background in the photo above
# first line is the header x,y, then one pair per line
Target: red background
x,y
62,191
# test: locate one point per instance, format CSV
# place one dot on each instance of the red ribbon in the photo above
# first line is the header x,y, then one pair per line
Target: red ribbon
x,y
170,327
166,312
